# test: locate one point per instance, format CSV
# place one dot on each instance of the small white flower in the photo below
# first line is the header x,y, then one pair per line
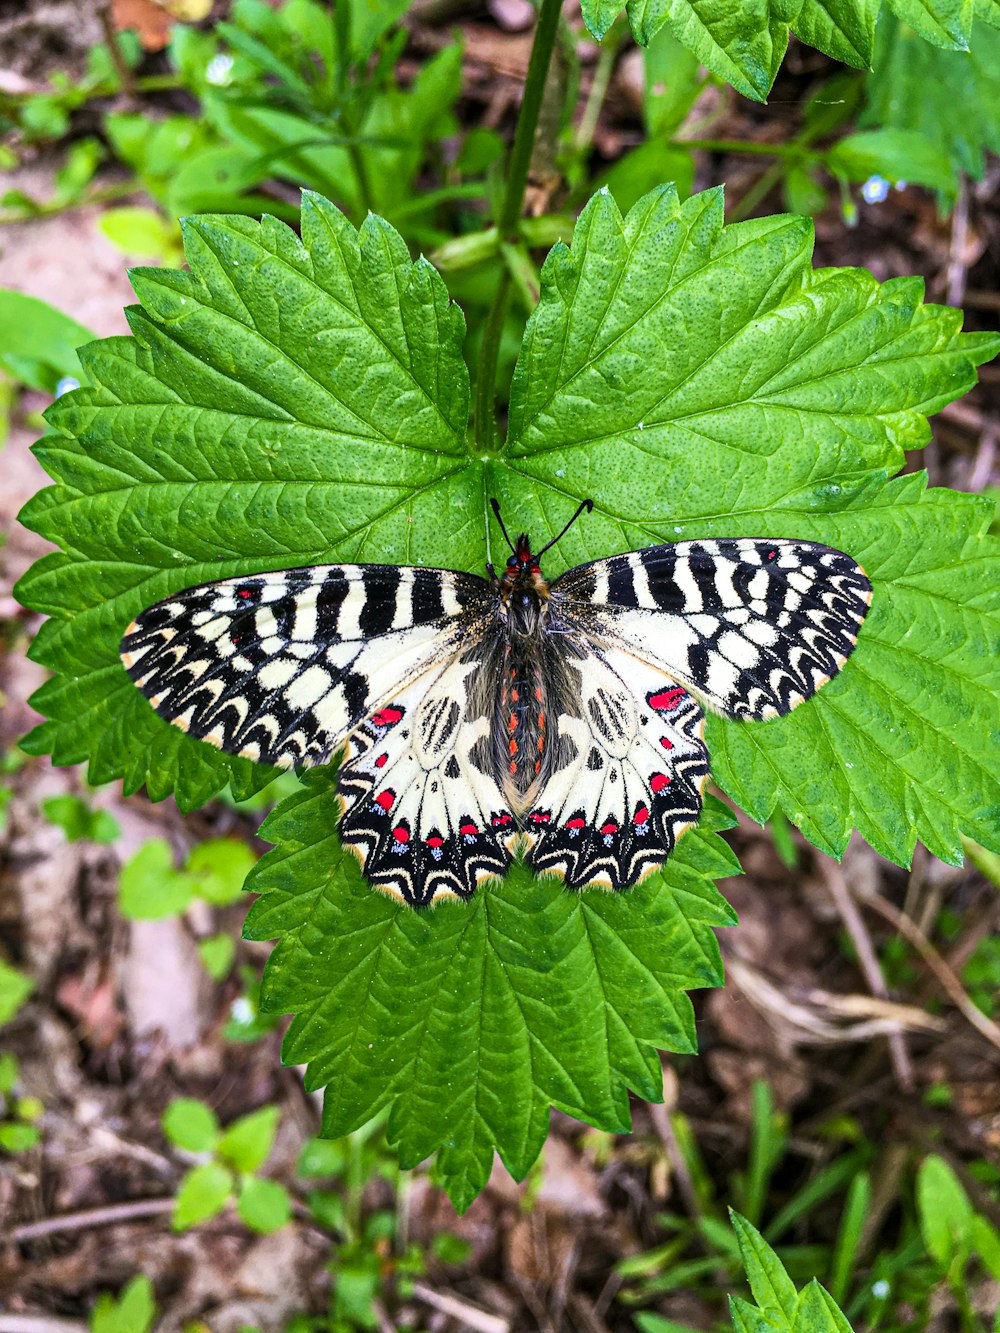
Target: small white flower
x,y
880,1289
66,384
241,1010
219,70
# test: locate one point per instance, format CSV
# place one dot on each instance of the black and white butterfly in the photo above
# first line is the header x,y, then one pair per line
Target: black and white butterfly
x,y
477,716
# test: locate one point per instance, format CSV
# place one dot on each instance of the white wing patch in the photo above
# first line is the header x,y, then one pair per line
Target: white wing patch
x,y
419,811
633,783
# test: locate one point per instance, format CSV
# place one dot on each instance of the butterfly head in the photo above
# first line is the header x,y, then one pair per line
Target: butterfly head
x,y
522,590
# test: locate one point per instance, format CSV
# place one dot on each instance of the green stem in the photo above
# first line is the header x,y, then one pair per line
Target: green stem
x,y
510,213
598,89
485,418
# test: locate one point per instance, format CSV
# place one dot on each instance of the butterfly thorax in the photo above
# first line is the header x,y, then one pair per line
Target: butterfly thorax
x,y
521,729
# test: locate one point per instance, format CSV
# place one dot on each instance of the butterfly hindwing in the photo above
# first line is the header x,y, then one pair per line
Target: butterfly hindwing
x,y
422,809
752,626
632,779
279,667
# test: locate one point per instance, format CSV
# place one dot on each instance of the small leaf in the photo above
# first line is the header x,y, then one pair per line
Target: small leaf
x,y
15,988
191,1125
133,1312
818,1312
844,29
16,1137
771,1286
217,954
79,821
986,1243
264,1205
10,1071
898,155
944,1211
220,866
944,23
203,1193
247,1143
41,340
141,233
150,887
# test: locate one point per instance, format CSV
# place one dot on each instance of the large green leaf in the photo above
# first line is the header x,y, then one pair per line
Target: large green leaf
x,y
297,401
470,1022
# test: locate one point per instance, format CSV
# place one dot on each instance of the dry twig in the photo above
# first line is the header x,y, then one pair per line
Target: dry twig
x,y
836,882
950,983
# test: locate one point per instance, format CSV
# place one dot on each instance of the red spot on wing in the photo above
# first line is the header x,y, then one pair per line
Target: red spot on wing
x,y
658,781
609,827
666,700
641,815
576,823
401,833
387,717
503,820
467,828
540,817
666,742
772,555
435,841
244,593
385,799
381,761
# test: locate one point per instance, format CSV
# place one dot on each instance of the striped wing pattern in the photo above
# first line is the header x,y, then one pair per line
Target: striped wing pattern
x,y
282,667
407,670
750,626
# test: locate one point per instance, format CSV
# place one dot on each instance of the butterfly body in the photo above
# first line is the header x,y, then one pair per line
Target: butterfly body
x,y
482,717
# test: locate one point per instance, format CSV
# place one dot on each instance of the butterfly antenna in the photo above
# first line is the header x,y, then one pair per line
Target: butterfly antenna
x,y
495,504
584,504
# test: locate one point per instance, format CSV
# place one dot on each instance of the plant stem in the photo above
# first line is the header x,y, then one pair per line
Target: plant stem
x,y
510,213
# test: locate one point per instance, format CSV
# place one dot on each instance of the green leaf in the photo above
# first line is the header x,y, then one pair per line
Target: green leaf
x,y
697,381
898,155
844,29
133,1312
217,953
203,1193
79,821
771,1286
150,887
743,44
10,1071
264,1205
38,343
951,98
469,1021
220,866
247,1142
141,232
346,440
15,988
944,23
944,1211
726,366
191,1125
818,1312
16,1137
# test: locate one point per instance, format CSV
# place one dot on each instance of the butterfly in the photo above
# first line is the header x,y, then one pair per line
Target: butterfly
x,y
480,717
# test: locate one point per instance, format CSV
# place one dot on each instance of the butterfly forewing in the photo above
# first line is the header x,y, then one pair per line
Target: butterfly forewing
x,y
280,667
751,626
